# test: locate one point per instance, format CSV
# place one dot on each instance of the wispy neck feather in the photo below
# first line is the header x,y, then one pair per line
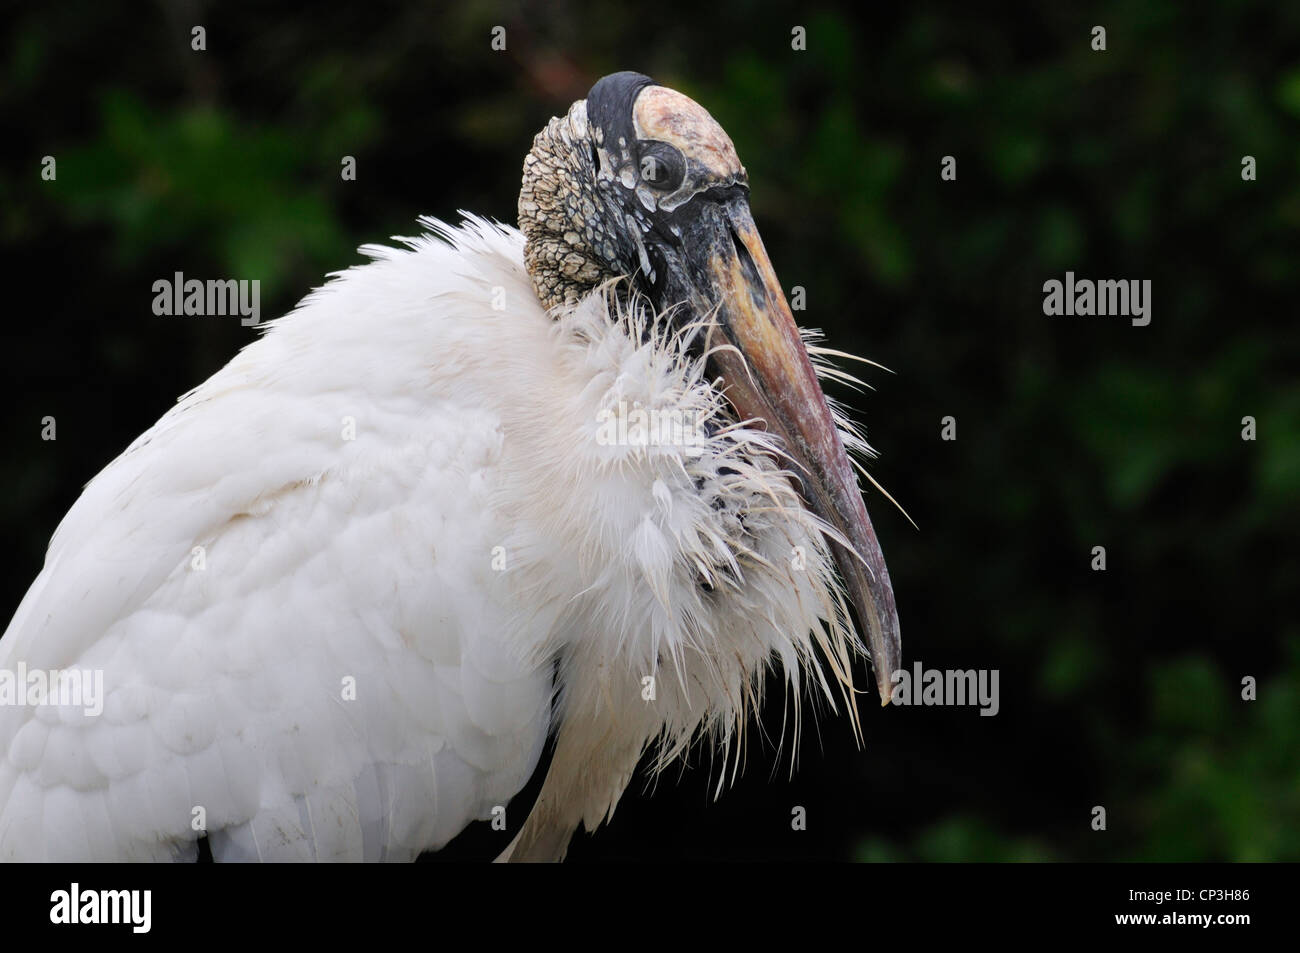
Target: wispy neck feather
x,y
700,568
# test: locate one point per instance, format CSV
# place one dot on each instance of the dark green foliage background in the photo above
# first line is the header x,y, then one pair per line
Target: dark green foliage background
x,y
1120,688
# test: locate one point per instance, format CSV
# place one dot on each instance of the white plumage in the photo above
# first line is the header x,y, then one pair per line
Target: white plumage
x,y
373,558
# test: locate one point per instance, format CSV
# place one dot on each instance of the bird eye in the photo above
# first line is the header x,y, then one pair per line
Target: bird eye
x,y
662,167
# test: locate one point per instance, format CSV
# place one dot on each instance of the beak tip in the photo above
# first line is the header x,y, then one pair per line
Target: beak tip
x,y
885,685
770,377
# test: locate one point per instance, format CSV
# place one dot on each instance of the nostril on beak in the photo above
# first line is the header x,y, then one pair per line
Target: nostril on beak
x,y
747,265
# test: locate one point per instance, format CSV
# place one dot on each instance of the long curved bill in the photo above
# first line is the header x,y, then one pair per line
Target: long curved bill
x,y
768,376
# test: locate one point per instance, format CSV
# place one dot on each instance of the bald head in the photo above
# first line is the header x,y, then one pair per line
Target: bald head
x,y
657,143
611,181
665,115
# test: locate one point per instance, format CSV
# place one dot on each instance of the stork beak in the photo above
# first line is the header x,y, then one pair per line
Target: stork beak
x,y
768,376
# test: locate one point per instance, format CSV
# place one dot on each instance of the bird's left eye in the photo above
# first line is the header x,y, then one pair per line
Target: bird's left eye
x,y
662,166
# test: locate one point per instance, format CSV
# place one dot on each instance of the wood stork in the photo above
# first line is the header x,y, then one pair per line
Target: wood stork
x,y
344,591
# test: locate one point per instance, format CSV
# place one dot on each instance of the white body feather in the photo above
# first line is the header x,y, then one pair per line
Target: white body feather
x,y
379,560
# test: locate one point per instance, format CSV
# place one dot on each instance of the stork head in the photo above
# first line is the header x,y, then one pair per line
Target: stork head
x,y
639,181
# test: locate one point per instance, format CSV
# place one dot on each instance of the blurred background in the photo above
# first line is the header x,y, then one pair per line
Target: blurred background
x,y
1119,688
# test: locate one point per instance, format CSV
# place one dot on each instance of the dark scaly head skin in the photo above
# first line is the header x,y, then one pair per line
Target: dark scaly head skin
x,y
638,180
567,249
